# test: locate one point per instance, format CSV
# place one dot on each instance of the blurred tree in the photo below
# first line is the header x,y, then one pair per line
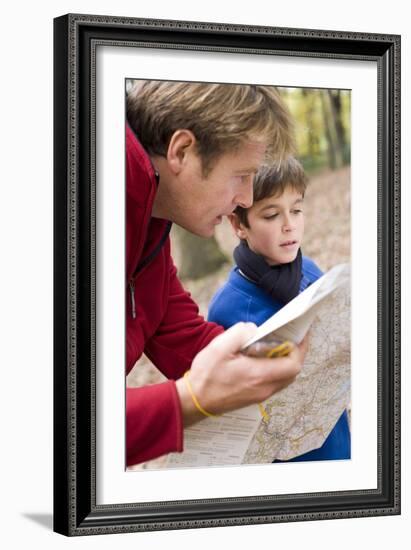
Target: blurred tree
x,y
195,256
308,101
336,108
335,151
322,124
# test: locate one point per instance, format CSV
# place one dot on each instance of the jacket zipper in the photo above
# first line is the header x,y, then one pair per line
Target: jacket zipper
x,y
133,298
142,265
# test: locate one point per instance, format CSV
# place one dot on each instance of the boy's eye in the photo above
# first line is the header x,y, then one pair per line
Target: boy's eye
x,y
270,217
297,211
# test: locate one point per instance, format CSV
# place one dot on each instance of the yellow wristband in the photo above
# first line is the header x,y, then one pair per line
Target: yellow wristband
x,y
279,351
263,412
194,398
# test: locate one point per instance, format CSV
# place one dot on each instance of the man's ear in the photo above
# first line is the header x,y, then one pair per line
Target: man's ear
x,y
238,227
182,143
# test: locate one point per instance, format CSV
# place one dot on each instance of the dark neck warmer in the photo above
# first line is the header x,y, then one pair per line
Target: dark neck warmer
x,y
281,282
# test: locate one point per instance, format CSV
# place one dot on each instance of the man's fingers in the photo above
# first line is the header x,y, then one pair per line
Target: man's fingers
x,y
273,370
303,346
232,340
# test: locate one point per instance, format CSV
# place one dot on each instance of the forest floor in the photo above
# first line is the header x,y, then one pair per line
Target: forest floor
x,y
327,240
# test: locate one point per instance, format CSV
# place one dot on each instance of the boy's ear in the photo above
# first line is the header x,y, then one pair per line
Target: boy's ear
x,y
238,227
181,143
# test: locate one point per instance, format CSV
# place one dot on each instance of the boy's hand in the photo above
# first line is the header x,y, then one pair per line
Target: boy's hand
x,y
222,379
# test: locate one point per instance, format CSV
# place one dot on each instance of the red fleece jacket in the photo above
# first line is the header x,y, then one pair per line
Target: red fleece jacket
x,y
162,319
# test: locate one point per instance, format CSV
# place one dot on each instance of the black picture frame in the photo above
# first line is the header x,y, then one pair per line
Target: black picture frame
x,y
76,38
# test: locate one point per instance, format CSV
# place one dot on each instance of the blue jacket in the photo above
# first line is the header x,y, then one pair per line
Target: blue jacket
x,y
242,300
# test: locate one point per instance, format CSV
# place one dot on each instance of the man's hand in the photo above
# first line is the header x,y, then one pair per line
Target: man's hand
x,y
222,379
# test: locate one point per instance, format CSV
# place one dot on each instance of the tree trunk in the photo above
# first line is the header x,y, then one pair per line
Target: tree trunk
x,y
334,150
335,101
194,256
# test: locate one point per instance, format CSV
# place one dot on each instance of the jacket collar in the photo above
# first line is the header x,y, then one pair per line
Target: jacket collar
x,y
142,231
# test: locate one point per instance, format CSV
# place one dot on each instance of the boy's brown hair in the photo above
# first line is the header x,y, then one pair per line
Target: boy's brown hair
x,y
221,116
271,180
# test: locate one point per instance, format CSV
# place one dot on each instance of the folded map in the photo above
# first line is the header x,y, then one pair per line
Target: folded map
x,y
299,418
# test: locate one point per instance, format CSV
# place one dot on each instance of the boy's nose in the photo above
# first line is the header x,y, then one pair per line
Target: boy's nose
x,y
288,225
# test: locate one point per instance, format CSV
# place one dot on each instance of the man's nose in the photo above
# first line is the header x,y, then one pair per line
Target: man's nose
x,y
245,197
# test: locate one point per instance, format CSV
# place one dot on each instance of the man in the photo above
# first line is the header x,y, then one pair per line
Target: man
x,y
191,154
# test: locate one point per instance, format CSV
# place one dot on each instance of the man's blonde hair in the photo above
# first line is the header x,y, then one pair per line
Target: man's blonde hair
x,y
221,116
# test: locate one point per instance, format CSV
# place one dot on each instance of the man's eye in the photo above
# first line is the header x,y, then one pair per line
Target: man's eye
x,y
297,211
245,177
239,179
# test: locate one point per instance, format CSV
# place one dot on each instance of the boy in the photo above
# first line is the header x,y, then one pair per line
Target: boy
x,y
271,270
